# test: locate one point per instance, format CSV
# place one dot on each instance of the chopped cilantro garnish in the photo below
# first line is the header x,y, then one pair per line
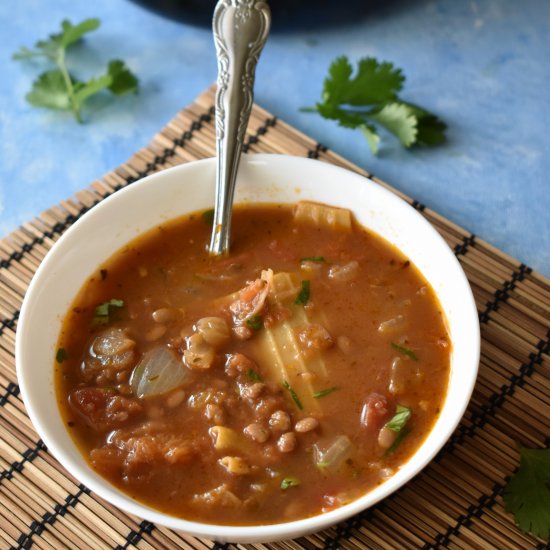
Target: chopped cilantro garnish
x,y
313,259
254,376
208,216
404,432
303,295
527,494
255,322
399,419
405,351
289,482
61,355
324,393
104,311
293,394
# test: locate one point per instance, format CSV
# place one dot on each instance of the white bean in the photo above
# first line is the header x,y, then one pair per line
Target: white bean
x,y
306,425
166,315
198,355
287,442
214,330
386,437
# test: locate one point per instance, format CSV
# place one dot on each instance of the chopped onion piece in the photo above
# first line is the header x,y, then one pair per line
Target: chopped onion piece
x,y
391,324
159,371
331,457
111,342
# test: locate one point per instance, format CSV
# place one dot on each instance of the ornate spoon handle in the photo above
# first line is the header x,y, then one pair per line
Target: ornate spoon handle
x,y
240,30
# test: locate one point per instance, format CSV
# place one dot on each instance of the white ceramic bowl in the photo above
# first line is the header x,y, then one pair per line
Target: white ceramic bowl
x,y
190,187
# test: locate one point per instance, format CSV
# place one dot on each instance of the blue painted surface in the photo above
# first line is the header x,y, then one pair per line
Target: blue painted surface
x,y
481,65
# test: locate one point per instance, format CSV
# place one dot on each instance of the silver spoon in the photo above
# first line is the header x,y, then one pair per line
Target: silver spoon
x,y
240,30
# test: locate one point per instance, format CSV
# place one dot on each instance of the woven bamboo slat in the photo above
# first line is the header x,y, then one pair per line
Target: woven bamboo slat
x,y
456,502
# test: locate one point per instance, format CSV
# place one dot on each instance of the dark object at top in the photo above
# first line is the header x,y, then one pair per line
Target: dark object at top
x,y
287,14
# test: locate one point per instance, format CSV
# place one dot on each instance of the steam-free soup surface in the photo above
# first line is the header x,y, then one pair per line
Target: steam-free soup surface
x,y
282,381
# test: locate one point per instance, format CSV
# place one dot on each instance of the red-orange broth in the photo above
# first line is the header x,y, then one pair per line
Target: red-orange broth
x,y
277,383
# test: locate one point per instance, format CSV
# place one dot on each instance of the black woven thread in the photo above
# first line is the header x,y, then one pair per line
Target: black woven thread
x,y
37,527
133,537
9,323
11,390
262,130
28,456
314,153
501,295
418,206
462,248
345,529
479,419
59,227
485,502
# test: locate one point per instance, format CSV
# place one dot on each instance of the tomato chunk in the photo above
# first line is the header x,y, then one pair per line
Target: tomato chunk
x,y
103,409
375,412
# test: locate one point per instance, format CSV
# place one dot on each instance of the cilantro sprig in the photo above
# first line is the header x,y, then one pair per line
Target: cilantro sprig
x,y
303,295
58,88
103,313
398,424
369,98
293,395
405,351
289,482
399,419
527,494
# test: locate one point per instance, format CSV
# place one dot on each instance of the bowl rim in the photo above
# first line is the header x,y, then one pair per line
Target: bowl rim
x,y
232,533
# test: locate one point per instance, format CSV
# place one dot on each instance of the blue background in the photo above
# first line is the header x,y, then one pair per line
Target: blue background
x,y
482,66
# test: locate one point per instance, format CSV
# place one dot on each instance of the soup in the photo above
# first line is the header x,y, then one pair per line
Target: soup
x,y
277,383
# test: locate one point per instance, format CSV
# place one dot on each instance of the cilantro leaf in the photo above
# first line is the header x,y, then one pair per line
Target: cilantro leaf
x,y
103,312
57,88
289,482
293,394
527,494
403,433
25,53
323,393
49,90
61,355
73,33
313,259
372,137
255,322
369,96
374,82
405,351
84,90
400,120
123,80
399,419
431,130
254,376
303,295
208,216
55,45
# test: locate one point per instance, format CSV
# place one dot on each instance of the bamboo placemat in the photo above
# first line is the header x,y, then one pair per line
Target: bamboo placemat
x,y
456,502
